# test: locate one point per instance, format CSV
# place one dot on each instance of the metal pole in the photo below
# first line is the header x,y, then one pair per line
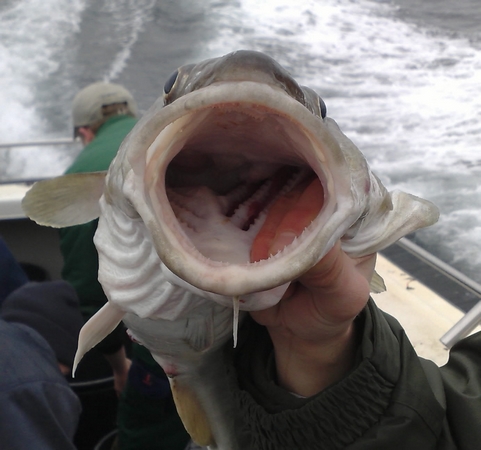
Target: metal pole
x,y
473,317
463,327
60,141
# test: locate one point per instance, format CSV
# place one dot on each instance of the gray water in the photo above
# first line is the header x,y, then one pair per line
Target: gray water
x,y
402,78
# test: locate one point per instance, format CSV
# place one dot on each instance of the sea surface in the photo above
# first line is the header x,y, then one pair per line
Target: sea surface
x,y
402,78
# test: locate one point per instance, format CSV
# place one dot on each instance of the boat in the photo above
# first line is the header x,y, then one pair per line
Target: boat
x,y
436,304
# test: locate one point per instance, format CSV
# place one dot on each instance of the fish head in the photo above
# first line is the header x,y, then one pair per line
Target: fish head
x,y
202,167
192,183
242,65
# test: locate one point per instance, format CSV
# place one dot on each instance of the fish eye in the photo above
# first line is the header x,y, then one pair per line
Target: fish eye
x,y
169,84
322,107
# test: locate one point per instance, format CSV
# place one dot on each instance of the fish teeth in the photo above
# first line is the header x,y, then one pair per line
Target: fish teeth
x,y
295,242
181,202
185,217
234,197
257,225
197,207
210,230
246,212
241,214
296,178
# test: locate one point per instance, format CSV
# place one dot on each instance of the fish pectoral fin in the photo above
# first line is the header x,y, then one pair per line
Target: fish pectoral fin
x,y
199,333
96,329
192,413
385,226
377,284
65,201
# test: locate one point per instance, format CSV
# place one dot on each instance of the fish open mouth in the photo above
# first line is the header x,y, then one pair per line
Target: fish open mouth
x,y
235,162
211,175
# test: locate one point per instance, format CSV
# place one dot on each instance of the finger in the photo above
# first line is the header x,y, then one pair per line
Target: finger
x,y
335,265
340,278
299,216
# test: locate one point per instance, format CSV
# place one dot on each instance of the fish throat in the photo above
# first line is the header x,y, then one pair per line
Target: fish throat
x,y
214,173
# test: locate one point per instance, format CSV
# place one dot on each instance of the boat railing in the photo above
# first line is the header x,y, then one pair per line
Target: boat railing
x,y
38,143
69,144
441,266
472,318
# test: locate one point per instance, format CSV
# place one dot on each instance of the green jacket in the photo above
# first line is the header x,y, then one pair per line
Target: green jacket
x,y
81,270
98,155
392,399
76,243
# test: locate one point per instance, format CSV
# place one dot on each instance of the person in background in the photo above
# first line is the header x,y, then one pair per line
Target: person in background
x,y
39,327
103,114
12,275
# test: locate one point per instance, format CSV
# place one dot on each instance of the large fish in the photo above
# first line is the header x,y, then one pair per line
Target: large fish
x,y
183,200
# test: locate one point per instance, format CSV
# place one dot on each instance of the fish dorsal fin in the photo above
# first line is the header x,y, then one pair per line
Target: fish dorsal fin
x,y
96,329
65,201
377,284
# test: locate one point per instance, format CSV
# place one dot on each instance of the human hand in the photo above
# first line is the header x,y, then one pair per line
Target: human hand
x,y
312,326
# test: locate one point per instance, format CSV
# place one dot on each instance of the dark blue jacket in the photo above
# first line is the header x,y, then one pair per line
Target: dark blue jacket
x,y
38,409
12,275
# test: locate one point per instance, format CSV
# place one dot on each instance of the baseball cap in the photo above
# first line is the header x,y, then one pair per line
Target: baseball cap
x,y
87,104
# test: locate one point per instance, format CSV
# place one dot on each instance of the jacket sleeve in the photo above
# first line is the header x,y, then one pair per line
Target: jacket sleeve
x,y
40,415
38,409
462,386
12,275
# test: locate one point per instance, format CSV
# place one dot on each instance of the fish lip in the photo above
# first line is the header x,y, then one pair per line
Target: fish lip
x,y
237,279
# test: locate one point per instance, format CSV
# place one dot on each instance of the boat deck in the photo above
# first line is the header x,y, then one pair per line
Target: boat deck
x,y
414,298
447,282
